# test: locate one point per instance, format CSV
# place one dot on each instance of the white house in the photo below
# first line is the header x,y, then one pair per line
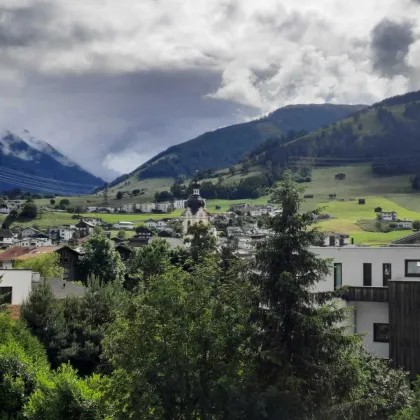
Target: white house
x,y
387,216
164,207
151,223
33,242
179,204
336,239
161,224
128,208
123,225
6,237
63,233
145,207
29,232
384,284
405,224
16,285
4,209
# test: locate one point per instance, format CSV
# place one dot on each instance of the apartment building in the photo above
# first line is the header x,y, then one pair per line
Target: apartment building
x,y
384,297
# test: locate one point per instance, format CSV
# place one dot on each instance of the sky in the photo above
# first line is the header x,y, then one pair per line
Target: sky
x,y
112,83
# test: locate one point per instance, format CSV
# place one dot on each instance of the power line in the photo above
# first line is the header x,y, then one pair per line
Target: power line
x,y
24,174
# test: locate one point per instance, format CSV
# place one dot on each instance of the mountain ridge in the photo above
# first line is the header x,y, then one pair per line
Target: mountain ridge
x,y
223,147
35,165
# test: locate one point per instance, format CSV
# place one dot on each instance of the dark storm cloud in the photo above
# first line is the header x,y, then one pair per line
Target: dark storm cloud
x,y
390,45
33,24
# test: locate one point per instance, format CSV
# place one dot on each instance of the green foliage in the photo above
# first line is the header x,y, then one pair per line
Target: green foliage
x,y
148,261
22,361
66,397
202,243
47,265
121,234
29,211
189,329
119,195
301,357
102,260
416,225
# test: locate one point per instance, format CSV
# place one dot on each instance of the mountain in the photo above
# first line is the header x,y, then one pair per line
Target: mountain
x,y
32,164
225,146
386,134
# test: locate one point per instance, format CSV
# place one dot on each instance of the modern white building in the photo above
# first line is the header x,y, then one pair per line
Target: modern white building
x,y
16,285
404,224
33,242
63,233
384,297
123,225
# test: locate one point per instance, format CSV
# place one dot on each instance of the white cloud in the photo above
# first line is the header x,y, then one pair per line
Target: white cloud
x,y
260,54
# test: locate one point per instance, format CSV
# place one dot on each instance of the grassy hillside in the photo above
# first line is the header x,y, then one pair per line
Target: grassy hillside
x,y
224,147
386,134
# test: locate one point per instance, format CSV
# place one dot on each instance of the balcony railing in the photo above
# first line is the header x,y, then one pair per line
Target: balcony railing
x,y
367,294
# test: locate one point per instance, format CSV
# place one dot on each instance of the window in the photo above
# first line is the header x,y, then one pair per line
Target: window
x,y
338,275
5,295
367,274
412,268
381,333
386,274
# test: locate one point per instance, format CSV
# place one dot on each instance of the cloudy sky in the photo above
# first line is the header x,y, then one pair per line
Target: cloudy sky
x,y
111,83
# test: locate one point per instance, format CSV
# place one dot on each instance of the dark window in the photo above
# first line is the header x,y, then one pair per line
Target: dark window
x,y
5,295
338,275
381,333
65,259
386,274
367,274
412,268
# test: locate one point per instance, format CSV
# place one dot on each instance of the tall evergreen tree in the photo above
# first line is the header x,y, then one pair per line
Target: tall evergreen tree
x,y
301,350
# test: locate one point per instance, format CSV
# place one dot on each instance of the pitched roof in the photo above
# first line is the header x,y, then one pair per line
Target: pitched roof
x,y
13,253
38,251
6,233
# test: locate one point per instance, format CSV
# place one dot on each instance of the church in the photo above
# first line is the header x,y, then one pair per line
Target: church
x,y
195,212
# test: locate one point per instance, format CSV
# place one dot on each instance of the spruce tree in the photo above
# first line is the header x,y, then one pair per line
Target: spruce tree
x,y
301,348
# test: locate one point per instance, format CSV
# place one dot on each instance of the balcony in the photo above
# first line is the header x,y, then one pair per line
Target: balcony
x,y
367,294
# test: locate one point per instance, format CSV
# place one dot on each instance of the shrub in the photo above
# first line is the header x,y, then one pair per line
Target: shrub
x,y
340,176
362,201
332,195
308,196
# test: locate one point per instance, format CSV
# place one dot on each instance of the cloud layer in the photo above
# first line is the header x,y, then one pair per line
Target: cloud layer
x,y
113,85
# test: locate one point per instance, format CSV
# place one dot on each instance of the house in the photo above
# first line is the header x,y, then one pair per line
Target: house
x,y
143,232
84,228
123,225
137,241
15,285
387,216
69,260
336,239
8,257
36,252
232,231
195,212
145,207
161,224
62,233
404,224
151,223
124,251
166,233
36,242
4,209
164,207
29,232
383,298
127,208
179,204
6,237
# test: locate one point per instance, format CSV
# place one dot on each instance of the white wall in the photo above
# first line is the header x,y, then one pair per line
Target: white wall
x,y
20,281
352,259
367,314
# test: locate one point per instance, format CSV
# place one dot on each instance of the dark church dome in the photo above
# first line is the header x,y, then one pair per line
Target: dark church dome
x,y
195,202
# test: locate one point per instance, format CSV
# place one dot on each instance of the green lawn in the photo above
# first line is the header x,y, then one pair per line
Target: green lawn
x,y
225,204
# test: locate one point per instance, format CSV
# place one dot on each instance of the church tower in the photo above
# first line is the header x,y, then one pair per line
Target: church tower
x,y
195,212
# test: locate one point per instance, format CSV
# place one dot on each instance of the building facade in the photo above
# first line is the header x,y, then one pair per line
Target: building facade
x,y
384,297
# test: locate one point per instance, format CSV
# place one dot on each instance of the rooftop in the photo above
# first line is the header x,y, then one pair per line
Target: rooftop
x,y
38,251
13,253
